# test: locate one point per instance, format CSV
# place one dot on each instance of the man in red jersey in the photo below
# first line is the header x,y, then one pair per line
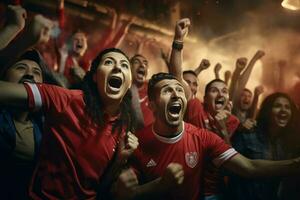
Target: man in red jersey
x,y
82,144
172,154
139,65
211,114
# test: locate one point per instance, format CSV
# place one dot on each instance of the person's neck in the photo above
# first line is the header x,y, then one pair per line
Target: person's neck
x,y
165,130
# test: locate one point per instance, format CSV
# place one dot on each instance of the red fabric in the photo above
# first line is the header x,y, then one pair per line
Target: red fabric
x,y
74,151
144,102
83,63
153,156
197,116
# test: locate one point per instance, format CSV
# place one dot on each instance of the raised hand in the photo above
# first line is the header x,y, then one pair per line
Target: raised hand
x,y
227,76
181,29
221,118
217,68
204,64
173,176
16,16
259,54
258,90
39,29
127,148
241,63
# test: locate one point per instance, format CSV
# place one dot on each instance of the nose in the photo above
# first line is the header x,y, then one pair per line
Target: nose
x,y
174,94
29,71
117,68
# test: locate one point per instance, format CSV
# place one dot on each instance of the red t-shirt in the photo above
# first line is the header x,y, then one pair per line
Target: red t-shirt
x,y
197,116
74,150
143,99
191,148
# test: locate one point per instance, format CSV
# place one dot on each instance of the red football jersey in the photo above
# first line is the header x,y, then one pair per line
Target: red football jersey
x,y
74,150
192,148
198,116
143,99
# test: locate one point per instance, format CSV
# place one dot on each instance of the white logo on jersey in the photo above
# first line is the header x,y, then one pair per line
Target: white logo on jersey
x,y
151,163
191,159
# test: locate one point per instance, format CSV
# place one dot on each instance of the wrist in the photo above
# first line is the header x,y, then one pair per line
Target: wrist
x,y
178,45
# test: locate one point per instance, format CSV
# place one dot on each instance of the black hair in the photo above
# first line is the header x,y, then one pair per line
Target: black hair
x,y
94,104
155,79
210,83
189,72
247,90
263,117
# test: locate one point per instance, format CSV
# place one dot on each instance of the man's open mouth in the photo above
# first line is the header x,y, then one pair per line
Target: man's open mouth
x,y
219,102
141,72
174,109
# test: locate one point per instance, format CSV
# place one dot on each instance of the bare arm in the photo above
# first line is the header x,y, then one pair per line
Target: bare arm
x,y
38,31
257,92
227,76
217,69
16,16
13,94
244,77
240,65
262,168
204,64
175,68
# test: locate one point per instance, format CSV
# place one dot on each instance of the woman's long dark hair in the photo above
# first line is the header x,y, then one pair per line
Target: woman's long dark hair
x,y
94,104
264,119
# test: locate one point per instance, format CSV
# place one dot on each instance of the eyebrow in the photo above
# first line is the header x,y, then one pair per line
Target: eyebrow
x,y
115,59
166,85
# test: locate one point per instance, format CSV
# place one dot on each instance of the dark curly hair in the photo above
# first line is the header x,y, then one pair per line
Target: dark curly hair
x,y
94,104
264,119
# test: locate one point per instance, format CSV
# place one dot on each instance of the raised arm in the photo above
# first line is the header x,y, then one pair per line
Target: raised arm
x,y
262,168
165,57
15,23
204,64
217,69
257,92
240,65
38,31
244,77
175,68
227,76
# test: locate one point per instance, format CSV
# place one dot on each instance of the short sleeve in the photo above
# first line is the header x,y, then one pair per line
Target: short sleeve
x,y
218,150
49,98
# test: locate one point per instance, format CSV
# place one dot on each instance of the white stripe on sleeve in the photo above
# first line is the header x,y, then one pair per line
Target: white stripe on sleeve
x,y
36,96
224,156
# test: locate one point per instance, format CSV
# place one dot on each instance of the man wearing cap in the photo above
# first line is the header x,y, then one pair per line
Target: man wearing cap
x,y
20,131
